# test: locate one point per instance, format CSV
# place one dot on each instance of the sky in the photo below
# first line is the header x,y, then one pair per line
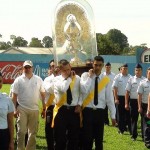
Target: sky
x,y
32,18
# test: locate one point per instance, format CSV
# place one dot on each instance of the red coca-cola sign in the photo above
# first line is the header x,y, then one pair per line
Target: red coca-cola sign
x,y
10,70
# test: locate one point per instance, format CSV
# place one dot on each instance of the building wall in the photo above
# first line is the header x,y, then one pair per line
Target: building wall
x,y
9,63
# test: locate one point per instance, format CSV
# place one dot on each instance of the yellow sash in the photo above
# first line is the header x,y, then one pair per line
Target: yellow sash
x,y
62,101
105,80
50,100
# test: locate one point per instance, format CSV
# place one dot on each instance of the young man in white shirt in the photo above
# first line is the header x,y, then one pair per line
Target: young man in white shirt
x,y
96,94
67,106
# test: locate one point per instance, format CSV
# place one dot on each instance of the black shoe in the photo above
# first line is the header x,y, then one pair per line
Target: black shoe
x,y
126,129
107,124
147,145
116,125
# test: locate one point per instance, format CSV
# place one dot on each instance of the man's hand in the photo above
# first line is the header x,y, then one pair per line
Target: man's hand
x,y
72,74
78,109
127,106
116,101
113,122
148,114
91,73
140,110
16,113
56,71
43,114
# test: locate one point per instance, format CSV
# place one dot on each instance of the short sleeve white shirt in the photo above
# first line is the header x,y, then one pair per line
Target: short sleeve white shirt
x,y
144,89
6,106
132,86
28,91
120,82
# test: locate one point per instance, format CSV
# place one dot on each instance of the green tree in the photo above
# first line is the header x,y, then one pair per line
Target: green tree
x,y
103,45
114,42
117,41
35,42
4,45
12,37
133,49
47,42
19,42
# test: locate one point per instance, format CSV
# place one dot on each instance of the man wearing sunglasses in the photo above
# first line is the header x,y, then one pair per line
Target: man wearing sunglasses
x,y
27,90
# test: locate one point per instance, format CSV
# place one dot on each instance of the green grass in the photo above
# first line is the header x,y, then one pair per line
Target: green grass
x,y
112,140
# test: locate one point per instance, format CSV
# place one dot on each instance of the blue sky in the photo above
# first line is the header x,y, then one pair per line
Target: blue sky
x,y
32,18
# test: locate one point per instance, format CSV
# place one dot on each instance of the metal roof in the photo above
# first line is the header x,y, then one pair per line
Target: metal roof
x,y
27,50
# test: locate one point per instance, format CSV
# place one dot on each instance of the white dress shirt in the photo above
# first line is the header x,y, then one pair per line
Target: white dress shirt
x,y
49,87
61,86
104,96
132,86
111,77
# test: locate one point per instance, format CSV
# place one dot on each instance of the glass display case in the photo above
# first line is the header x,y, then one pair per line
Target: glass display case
x,y
73,32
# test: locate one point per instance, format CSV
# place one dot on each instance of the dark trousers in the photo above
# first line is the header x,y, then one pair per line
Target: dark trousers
x,y
67,128
143,122
4,139
134,117
93,128
123,115
147,132
49,131
106,119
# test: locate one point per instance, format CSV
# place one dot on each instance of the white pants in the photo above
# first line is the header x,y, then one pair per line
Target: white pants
x,y
27,121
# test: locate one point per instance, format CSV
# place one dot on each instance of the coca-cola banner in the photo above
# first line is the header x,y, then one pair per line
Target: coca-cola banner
x,y
11,70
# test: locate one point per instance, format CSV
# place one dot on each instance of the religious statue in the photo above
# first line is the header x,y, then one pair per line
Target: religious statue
x,y
73,32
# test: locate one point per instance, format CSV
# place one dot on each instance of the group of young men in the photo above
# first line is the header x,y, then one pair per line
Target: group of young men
x,y
74,106
77,109
131,95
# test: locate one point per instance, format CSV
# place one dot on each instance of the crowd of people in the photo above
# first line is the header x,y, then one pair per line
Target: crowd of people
x,y
75,107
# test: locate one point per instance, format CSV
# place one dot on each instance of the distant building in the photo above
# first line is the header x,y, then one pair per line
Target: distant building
x,y
27,50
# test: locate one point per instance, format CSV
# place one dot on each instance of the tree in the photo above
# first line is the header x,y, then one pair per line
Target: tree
x,y
19,42
0,35
133,49
4,45
47,42
117,40
114,42
35,42
103,45
12,37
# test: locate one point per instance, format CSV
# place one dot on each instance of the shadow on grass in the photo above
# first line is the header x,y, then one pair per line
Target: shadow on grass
x,y
40,137
41,147
37,147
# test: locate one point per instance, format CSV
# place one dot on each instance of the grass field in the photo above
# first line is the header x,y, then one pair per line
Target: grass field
x,y
112,140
